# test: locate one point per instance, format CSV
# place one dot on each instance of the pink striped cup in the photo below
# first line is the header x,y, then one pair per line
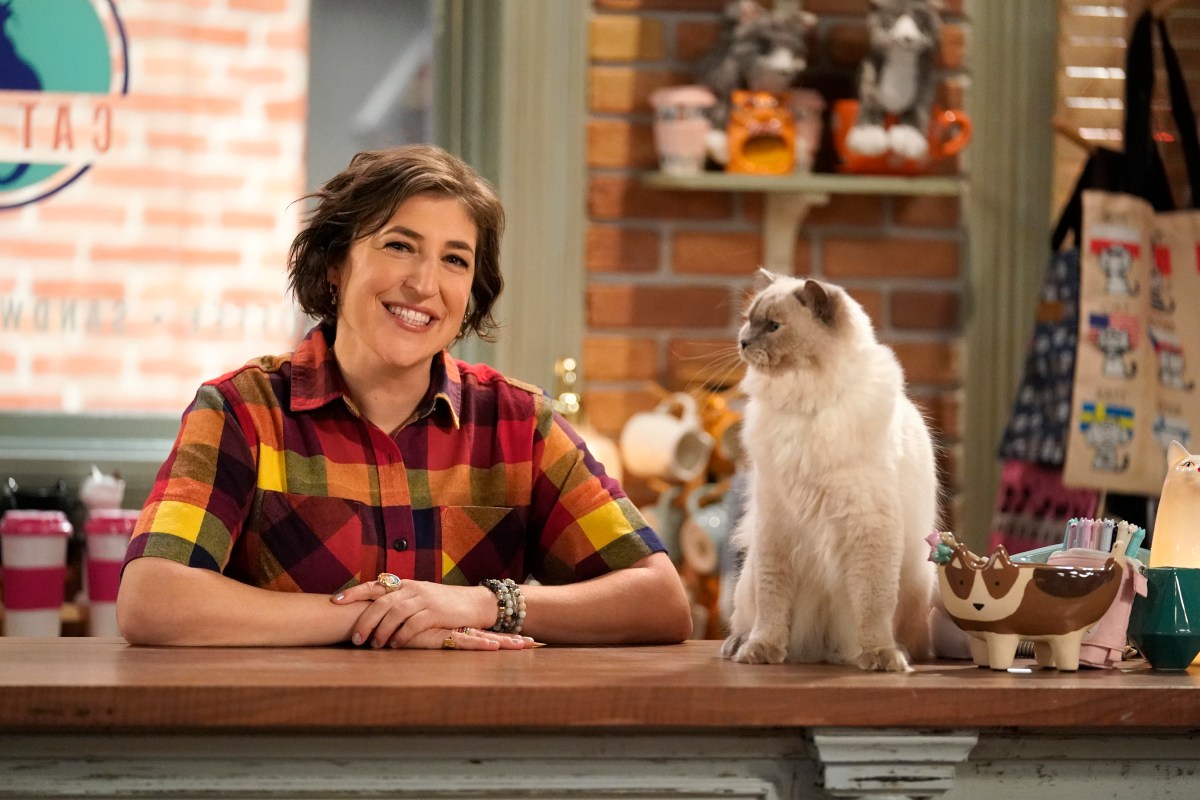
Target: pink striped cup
x,y
106,536
33,545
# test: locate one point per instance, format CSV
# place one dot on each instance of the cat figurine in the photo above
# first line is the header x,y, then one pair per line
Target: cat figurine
x,y
842,489
1176,539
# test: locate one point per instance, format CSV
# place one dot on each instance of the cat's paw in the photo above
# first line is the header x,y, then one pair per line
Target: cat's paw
x,y
907,142
760,651
884,659
730,647
869,140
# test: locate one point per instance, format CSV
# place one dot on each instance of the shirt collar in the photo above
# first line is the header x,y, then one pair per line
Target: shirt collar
x,y
316,379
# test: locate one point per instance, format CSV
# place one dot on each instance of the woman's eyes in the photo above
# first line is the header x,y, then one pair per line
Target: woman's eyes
x,y
402,246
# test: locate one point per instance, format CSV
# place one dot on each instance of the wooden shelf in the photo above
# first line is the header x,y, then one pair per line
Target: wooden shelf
x,y
790,197
810,183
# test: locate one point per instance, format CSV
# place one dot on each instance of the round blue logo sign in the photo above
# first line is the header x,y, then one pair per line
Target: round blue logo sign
x,y
62,64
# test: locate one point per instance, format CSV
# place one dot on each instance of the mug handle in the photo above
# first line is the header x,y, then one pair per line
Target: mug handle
x,y
958,125
686,403
703,495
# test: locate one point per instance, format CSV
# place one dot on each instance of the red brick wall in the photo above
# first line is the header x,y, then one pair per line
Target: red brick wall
x,y
163,265
668,270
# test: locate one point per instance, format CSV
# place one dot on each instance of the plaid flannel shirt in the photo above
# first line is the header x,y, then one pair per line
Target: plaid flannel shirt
x,y
276,481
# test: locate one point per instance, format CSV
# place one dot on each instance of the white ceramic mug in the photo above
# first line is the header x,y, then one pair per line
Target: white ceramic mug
x,y
664,444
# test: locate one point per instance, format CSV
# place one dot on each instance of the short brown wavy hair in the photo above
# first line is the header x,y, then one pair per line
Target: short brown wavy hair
x,y
360,200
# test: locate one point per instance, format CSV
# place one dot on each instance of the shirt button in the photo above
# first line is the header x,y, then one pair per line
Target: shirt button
x,y
400,545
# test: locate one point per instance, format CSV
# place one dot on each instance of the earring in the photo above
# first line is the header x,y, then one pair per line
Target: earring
x,y
333,298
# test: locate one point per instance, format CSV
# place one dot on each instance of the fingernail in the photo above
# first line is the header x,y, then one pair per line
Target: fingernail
x,y
339,596
356,638
517,640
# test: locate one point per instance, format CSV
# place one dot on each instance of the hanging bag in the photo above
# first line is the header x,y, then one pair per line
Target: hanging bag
x,y
1138,339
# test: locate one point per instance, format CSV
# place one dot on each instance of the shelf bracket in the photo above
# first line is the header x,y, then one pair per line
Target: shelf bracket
x,y
785,213
892,764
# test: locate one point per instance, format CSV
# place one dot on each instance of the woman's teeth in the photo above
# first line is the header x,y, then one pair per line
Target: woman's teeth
x,y
409,316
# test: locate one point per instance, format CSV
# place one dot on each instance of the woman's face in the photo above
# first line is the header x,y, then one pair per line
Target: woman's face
x,y
403,290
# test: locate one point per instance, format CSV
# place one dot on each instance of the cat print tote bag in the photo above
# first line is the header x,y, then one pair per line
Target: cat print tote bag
x,y
1138,351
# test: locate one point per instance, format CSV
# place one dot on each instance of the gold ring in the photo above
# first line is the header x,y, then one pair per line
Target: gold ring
x,y
388,581
449,643
466,630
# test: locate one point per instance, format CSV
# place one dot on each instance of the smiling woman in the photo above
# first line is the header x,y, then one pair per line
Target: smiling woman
x,y
370,451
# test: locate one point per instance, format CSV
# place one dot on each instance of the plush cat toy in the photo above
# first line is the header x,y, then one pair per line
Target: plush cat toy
x,y
896,79
759,49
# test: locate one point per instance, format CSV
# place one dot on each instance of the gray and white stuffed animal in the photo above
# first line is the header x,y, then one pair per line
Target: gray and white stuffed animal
x,y
759,49
897,78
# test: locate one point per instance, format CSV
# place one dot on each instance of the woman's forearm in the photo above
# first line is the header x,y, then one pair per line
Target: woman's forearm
x,y
162,602
645,603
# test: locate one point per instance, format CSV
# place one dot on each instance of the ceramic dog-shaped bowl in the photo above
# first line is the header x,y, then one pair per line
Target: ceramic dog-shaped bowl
x,y
998,603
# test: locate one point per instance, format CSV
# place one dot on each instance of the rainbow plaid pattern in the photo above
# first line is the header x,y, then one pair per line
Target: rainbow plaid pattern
x,y
276,481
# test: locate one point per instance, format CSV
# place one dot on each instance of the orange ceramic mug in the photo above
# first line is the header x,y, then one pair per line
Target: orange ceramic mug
x,y
949,131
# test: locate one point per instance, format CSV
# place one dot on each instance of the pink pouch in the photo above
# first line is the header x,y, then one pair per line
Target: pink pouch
x,y
1104,645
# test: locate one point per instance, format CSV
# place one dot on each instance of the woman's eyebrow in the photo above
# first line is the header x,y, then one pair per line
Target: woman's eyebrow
x,y
409,232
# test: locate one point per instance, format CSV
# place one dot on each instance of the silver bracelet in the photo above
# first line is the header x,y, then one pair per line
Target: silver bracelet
x,y
510,605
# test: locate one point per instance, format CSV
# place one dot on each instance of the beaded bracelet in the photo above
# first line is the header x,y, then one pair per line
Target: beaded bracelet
x,y
510,605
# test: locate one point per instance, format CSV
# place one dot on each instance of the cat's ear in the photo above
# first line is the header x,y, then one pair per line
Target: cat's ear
x,y
999,559
762,279
1176,453
814,297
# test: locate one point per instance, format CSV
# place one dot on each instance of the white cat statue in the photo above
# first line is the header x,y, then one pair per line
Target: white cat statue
x,y
842,490
1176,538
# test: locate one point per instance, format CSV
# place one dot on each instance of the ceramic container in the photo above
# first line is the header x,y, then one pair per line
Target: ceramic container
x,y
999,603
681,127
667,442
949,132
1165,624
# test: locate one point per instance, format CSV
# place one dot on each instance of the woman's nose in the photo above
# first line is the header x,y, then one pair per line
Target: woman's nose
x,y
422,278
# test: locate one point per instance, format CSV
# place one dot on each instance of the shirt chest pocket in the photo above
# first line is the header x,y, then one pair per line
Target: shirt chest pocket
x,y
322,544
480,542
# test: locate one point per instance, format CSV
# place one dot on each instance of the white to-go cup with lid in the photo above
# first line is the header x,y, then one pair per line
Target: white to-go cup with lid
x,y
33,545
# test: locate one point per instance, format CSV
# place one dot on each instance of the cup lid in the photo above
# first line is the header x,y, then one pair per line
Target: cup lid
x,y
24,522
114,520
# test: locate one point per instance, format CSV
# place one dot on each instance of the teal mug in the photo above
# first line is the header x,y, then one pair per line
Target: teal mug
x,y
1165,624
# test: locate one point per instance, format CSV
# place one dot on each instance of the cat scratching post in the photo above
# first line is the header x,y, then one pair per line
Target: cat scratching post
x,y
785,212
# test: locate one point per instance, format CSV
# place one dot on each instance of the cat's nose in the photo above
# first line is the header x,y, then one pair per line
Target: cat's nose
x,y
744,343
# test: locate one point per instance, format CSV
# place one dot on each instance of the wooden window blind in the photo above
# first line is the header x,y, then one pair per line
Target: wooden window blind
x,y
1090,109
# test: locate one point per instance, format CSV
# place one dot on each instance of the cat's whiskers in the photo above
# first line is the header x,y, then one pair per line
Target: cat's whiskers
x,y
715,373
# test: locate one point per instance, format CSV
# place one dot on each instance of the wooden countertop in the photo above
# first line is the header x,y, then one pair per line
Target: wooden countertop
x,y
81,685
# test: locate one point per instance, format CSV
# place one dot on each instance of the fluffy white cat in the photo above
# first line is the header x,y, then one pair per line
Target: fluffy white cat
x,y
842,492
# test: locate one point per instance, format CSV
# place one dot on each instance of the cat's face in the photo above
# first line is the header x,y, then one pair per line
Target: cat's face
x,y
792,323
1184,467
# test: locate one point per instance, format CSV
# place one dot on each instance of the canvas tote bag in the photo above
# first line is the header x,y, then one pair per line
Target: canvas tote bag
x,y
1138,353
